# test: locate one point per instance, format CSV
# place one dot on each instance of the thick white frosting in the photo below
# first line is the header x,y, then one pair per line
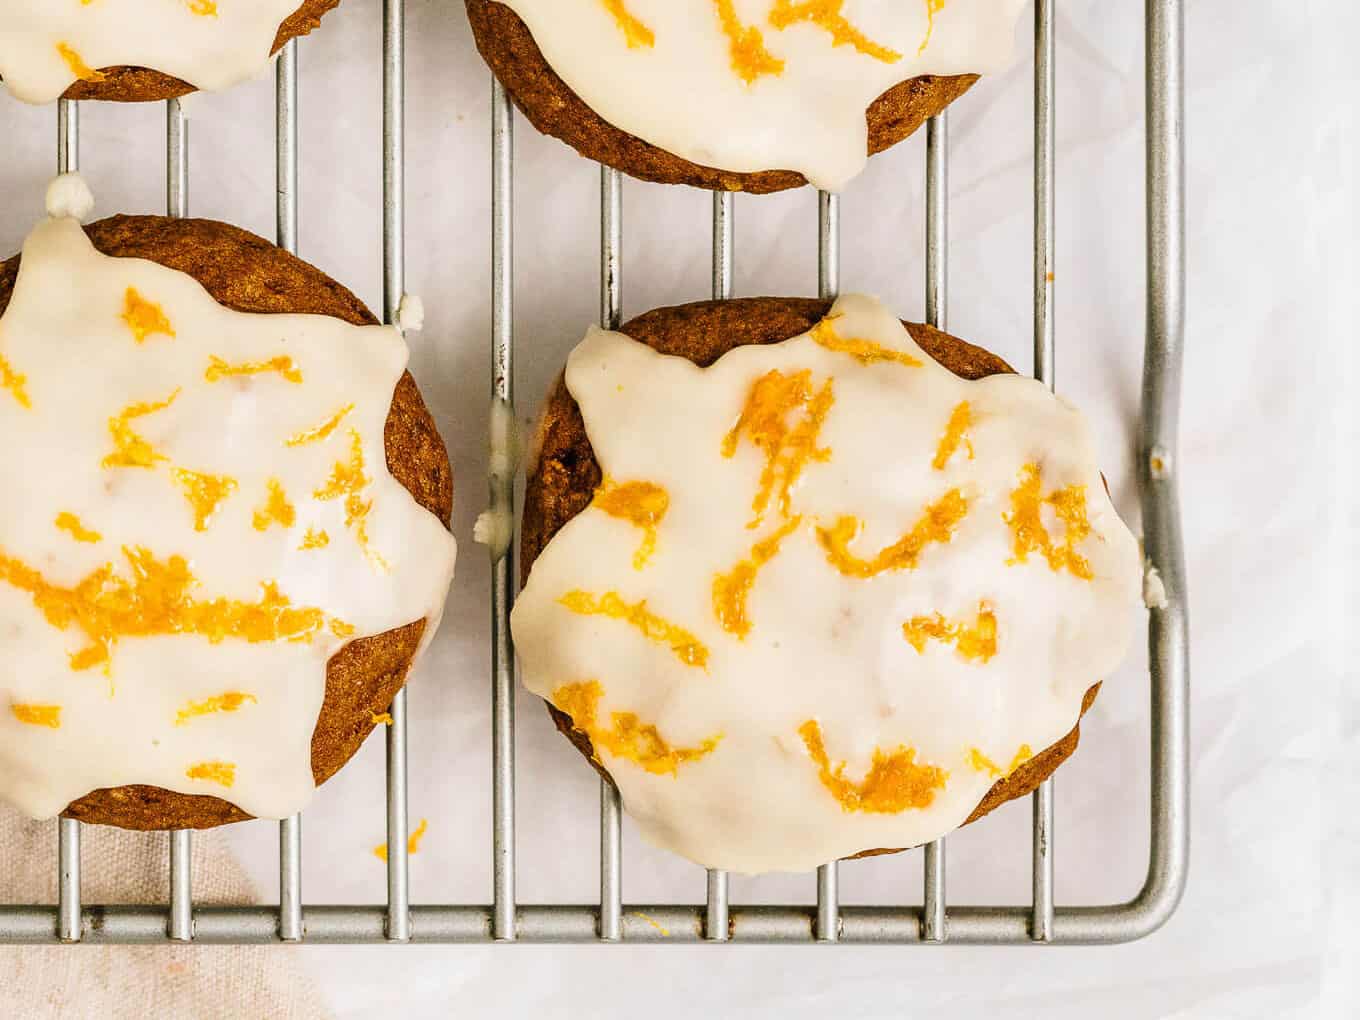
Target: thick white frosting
x,y
79,366
672,80
823,646
211,44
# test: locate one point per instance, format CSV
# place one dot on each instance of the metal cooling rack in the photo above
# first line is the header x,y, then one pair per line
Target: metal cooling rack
x,y
504,920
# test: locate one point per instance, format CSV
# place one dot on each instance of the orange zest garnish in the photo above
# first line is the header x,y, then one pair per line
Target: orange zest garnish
x,y
635,33
866,352
144,317
341,629
130,449
732,589
37,715
78,67
70,523
975,642
626,736
155,599
412,841
982,763
787,449
223,773
750,58
1030,534
276,509
205,493
936,524
348,479
315,539
231,701
203,8
283,365
381,718
893,783
320,432
14,382
934,7
687,648
826,14
642,504
955,432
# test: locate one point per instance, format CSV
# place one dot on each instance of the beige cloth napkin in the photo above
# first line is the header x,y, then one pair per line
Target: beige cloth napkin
x,y
139,982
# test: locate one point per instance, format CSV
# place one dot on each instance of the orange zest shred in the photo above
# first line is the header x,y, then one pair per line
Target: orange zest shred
x,y
218,368
315,539
975,642
750,58
203,8
687,648
155,599
787,449
322,431
78,67
826,14
348,479
1030,534
412,841
933,7
70,523
937,524
893,783
341,629
626,736
276,510
732,589
635,33
130,449
866,352
642,504
37,715
14,382
205,493
230,701
144,317
223,773
955,432
982,763
381,718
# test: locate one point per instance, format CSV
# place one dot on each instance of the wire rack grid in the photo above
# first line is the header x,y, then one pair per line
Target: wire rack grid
x,y
717,920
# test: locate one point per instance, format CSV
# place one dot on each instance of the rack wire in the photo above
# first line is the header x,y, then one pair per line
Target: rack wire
x,y
717,920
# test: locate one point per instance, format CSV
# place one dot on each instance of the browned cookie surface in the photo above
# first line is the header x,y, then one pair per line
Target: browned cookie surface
x,y
247,273
141,84
508,46
565,474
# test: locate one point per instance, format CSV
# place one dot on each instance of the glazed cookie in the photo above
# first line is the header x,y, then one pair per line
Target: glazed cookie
x,y
223,511
860,597
739,95
139,50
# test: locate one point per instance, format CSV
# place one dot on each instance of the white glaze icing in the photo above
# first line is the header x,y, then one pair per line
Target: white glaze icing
x,y
212,44
1154,588
823,646
411,313
681,92
81,366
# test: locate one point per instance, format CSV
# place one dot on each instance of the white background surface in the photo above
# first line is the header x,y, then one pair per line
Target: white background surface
x,y
1266,461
